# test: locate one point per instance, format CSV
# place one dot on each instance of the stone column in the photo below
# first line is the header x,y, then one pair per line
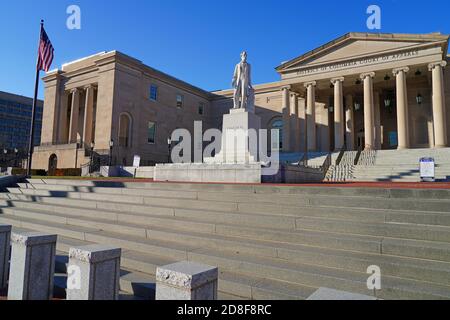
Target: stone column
x,y
402,107
186,281
439,117
349,123
32,266
88,116
95,273
285,107
311,115
368,110
338,113
377,119
73,126
294,124
5,235
63,123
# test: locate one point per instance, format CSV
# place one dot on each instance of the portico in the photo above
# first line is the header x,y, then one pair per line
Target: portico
x,y
371,92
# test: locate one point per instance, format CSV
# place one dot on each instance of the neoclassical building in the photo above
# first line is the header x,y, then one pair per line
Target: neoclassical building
x,y
360,91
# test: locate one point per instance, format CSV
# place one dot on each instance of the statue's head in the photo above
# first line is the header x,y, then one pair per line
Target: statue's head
x,y
244,56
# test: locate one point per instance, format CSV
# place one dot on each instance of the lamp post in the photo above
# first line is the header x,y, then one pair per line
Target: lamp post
x,y
16,157
111,145
169,145
5,152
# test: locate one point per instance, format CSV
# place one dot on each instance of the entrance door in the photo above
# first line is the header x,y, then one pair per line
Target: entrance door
x,y
52,165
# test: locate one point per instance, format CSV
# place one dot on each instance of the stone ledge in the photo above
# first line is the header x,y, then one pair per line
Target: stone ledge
x,y
94,253
33,238
186,275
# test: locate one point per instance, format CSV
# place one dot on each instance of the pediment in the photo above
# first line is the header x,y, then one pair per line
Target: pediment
x,y
353,46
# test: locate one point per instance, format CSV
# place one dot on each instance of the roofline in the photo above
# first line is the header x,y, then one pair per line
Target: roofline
x,y
369,36
19,96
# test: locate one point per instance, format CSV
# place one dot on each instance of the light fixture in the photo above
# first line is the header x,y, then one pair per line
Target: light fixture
x,y
419,99
5,151
169,141
357,106
111,143
387,78
16,151
331,109
418,73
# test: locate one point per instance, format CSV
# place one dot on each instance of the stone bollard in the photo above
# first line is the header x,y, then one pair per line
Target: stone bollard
x,y
5,235
93,273
32,266
186,281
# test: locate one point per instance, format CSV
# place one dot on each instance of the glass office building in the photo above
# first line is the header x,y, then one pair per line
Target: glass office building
x,y
15,121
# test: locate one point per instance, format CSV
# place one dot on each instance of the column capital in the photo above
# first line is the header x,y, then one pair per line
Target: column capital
x,y
311,83
396,71
338,79
367,74
432,65
89,86
286,87
75,90
295,94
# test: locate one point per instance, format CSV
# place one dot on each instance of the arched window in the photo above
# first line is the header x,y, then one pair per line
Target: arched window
x,y
276,124
125,125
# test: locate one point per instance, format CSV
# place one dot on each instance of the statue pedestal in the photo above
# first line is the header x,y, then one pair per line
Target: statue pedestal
x,y
240,138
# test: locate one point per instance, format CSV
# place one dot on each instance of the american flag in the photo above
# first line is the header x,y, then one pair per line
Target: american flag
x,y
45,54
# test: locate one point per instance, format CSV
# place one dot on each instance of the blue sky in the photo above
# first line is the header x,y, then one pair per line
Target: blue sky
x,y
198,41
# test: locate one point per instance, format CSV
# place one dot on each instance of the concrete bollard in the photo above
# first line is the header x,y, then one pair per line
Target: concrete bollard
x,y
32,266
5,235
93,273
186,281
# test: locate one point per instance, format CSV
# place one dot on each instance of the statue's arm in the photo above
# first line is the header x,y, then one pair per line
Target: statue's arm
x,y
235,77
250,75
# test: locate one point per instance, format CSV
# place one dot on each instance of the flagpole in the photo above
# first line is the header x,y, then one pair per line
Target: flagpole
x,y
33,110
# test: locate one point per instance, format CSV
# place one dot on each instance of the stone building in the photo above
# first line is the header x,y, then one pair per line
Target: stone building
x,y
360,91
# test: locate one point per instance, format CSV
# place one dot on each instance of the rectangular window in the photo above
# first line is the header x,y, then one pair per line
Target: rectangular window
x,y
180,99
153,92
151,133
201,107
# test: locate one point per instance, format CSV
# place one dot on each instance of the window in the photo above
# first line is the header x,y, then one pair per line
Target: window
x,y
151,133
201,107
180,99
153,92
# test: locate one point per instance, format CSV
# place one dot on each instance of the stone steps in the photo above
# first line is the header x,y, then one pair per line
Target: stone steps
x,y
147,188
239,203
300,253
183,251
268,241
304,276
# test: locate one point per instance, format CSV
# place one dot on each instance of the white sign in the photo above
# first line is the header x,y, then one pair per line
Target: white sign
x,y
137,161
427,168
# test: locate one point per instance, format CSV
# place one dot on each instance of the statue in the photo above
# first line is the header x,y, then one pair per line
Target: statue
x,y
244,95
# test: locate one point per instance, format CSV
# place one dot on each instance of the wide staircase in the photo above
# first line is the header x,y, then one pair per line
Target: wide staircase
x,y
402,165
269,242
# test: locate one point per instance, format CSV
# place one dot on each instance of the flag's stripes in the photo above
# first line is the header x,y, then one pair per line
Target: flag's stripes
x,y
45,54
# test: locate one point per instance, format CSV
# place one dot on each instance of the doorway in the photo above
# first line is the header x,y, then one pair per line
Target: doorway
x,y
52,165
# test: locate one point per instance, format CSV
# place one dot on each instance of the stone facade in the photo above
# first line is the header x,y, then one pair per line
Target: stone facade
x,y
361,91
